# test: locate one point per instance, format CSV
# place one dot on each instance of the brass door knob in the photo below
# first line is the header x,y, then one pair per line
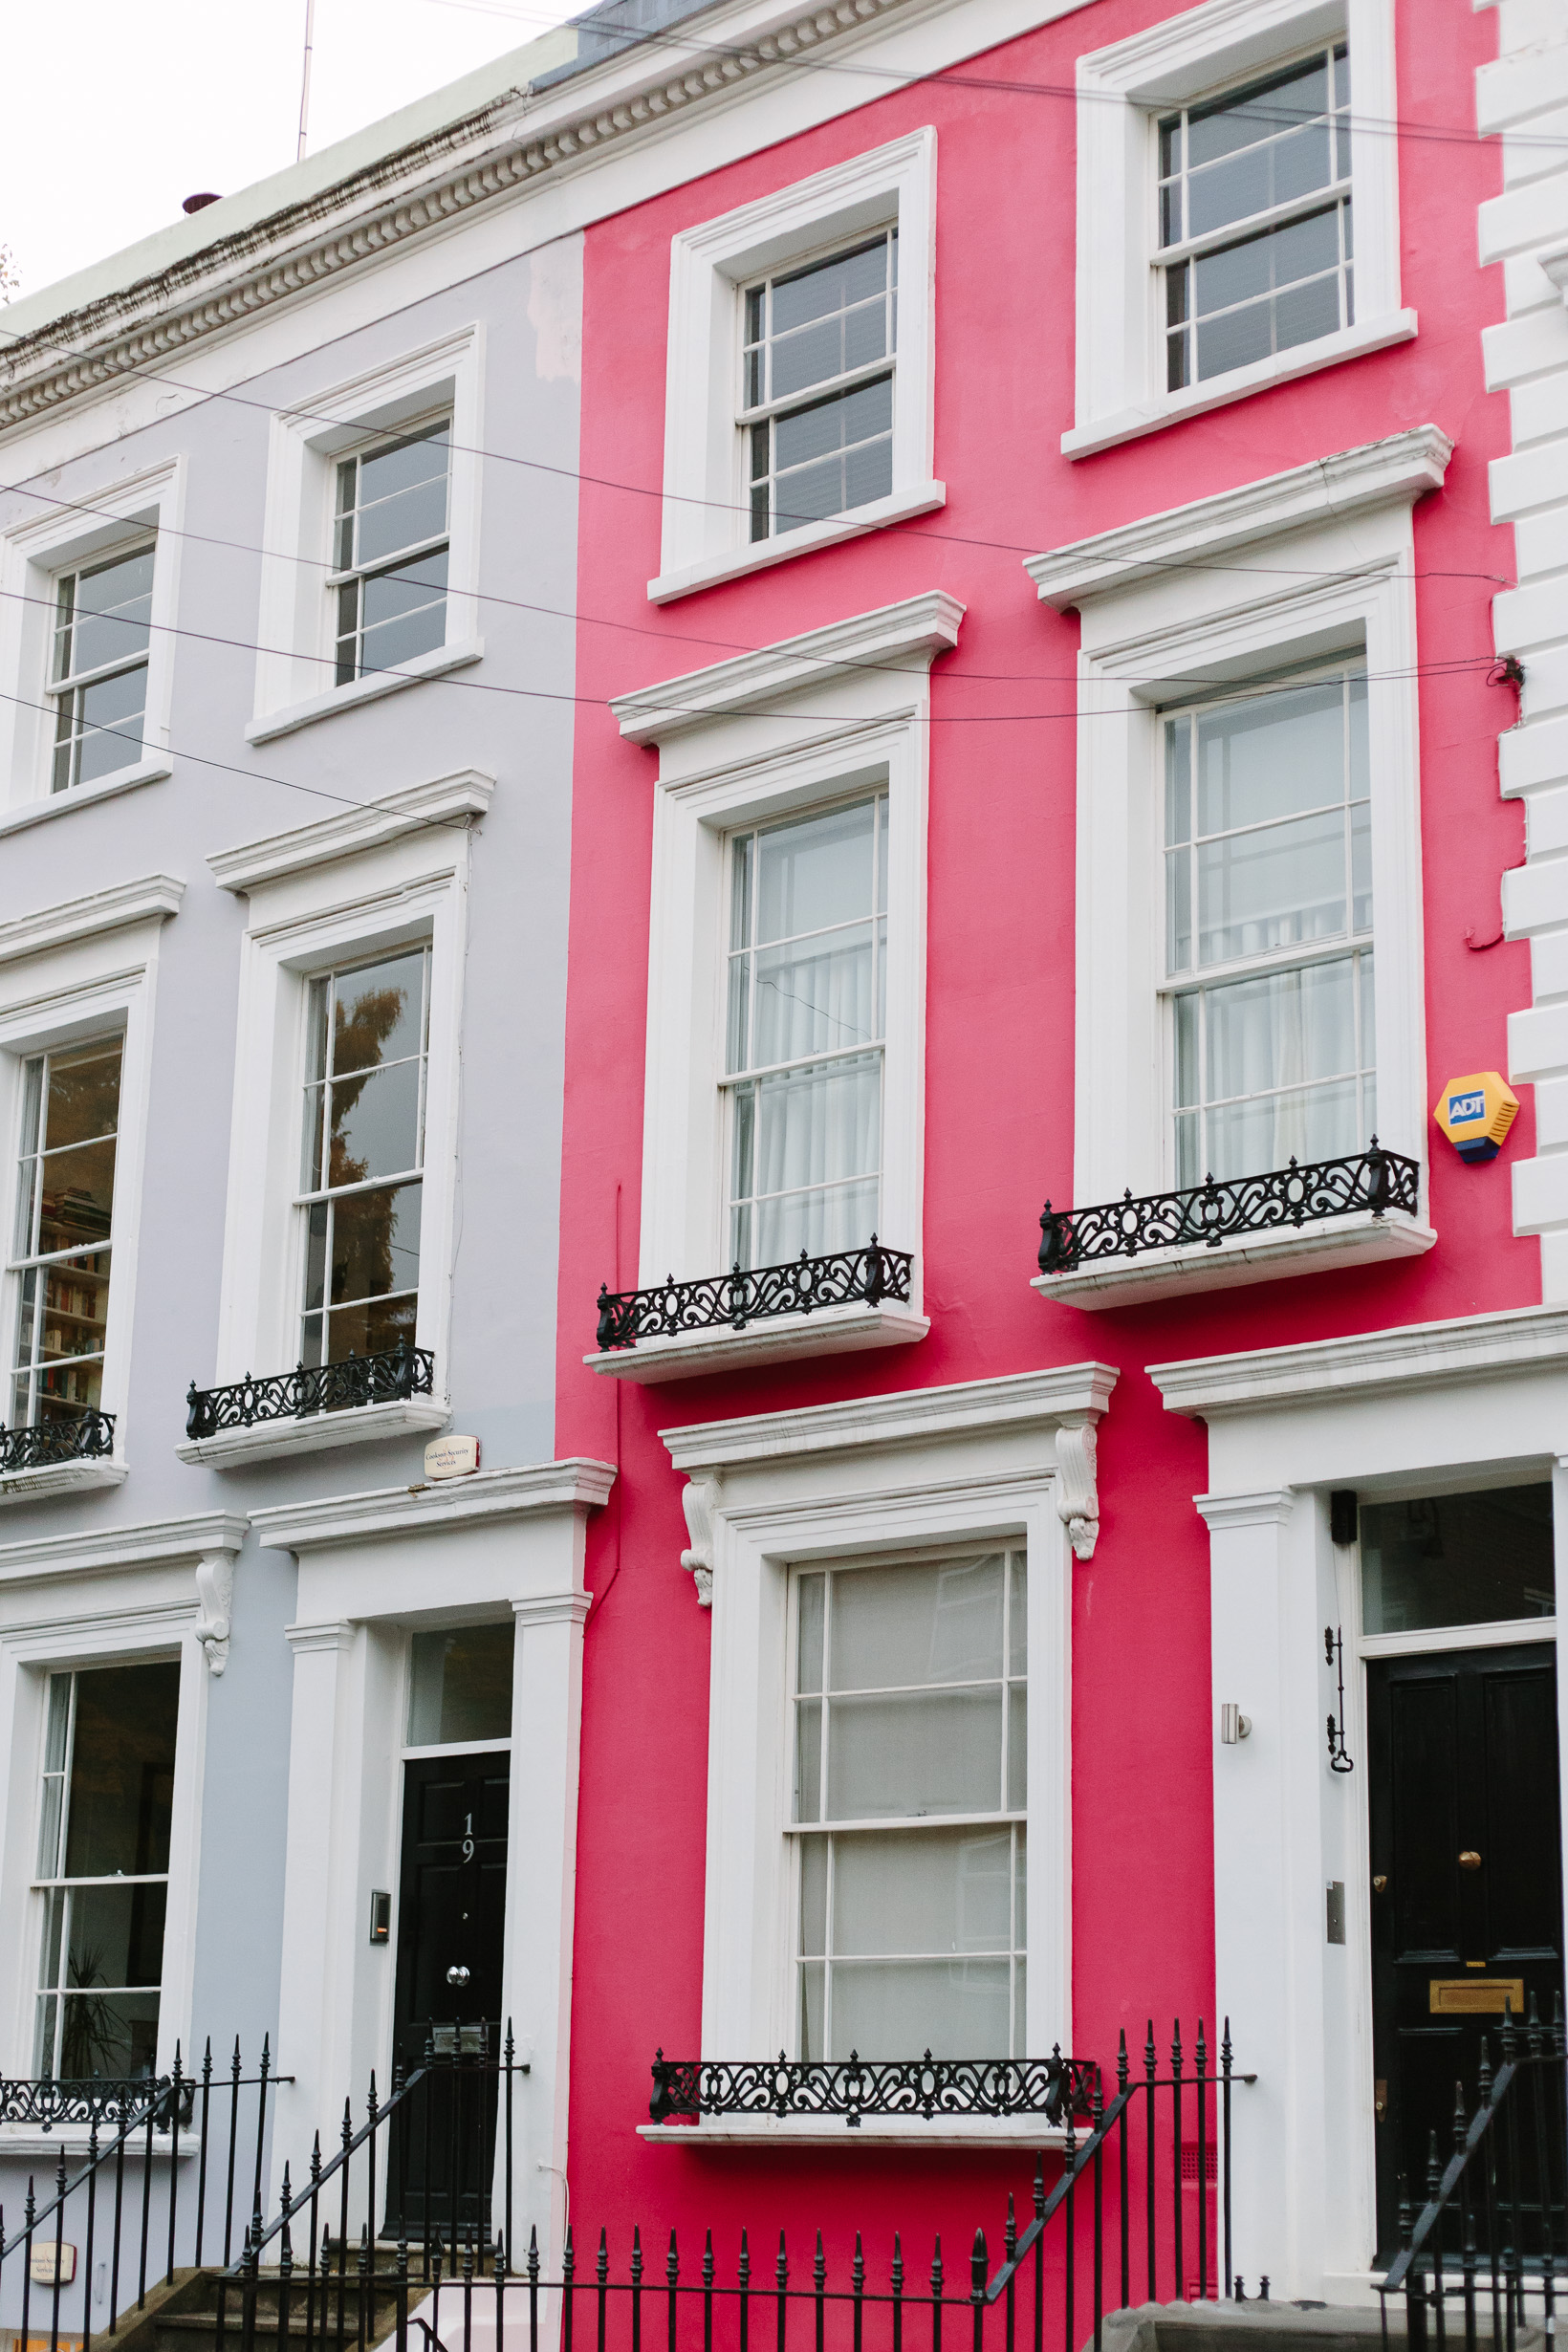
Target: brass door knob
x,y
1469,1860
1379,2101
1379,1883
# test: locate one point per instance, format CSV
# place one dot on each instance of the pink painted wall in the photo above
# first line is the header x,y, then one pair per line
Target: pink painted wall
x,y
999,1059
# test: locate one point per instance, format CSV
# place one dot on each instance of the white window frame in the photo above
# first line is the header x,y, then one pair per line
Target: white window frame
x,y
707,525
298,612
751,1075
44,1886
390,874
832,1832
810,722
1309,565
100,981
1199,979
66,537
955,1467
1121,91
137,1594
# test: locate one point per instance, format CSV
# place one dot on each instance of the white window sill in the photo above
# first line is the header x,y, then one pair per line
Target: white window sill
x,y
1170,408
76,2140
85,796
832,1331
276,1441
877,2131
737,562
433,665
1362,1240
36,1486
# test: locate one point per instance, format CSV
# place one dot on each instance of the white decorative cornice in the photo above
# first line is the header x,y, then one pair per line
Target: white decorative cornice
x,y
421,186
453,800
913,1417
1330,490
1269,1507
1410,1356
893,637
158,1543
102,910
566,1608
441,1510
330,1633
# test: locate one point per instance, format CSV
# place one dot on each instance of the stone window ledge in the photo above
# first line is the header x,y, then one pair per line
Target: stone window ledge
x,y
1364,1240
276,1441
832,1331
36,1486
873,2131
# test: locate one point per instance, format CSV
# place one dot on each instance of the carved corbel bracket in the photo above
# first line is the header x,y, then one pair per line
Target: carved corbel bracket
x,y
1077,1497
700,1497
215,1592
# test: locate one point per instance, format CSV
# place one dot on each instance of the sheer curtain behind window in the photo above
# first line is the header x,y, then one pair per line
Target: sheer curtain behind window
x,y
1269,894
807,1013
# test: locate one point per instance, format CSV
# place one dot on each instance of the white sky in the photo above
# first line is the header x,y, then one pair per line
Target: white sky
x,y
115,113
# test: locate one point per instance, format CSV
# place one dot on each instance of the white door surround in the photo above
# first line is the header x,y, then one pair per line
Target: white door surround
x,y
508,1539
1433,1407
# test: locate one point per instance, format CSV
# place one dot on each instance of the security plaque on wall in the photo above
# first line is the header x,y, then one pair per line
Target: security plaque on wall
x,y
452,1457
1475,1996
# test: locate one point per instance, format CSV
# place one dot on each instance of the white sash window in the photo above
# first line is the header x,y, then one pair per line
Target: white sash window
x,y
1267,874
1254,220
910,1797
806,1032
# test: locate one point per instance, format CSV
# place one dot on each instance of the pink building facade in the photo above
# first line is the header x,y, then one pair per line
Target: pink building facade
x,y
795,781
1140,679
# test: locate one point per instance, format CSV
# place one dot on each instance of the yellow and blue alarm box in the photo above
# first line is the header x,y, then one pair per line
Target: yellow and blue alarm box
x,y
1476,1113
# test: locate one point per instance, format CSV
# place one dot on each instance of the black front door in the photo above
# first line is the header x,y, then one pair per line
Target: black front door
x,y
452,1916
1466,1883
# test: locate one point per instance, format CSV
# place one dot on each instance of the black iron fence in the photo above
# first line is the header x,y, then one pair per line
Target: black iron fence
x,y
1490,2244
171,2166
847,1278
385,1379
1212,1213
406,2231
79,1437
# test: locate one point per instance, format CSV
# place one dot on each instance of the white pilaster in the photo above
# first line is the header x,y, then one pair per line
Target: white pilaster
x,y
315,2026
1268,1924
541,1897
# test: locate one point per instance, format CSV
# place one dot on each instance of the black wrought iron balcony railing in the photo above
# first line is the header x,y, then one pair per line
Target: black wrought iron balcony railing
x,y
848,1277
1212,1213
393,1374
43,2100
855,2086
87,1437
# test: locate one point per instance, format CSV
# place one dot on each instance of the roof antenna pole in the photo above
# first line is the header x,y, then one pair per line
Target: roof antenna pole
x,y
305,79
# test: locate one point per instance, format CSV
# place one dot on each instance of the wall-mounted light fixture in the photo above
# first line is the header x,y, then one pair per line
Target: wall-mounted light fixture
x,y
1234,1724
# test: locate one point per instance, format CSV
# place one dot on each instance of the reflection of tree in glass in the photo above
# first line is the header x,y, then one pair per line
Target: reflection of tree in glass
x,y
362,1032
362,1232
